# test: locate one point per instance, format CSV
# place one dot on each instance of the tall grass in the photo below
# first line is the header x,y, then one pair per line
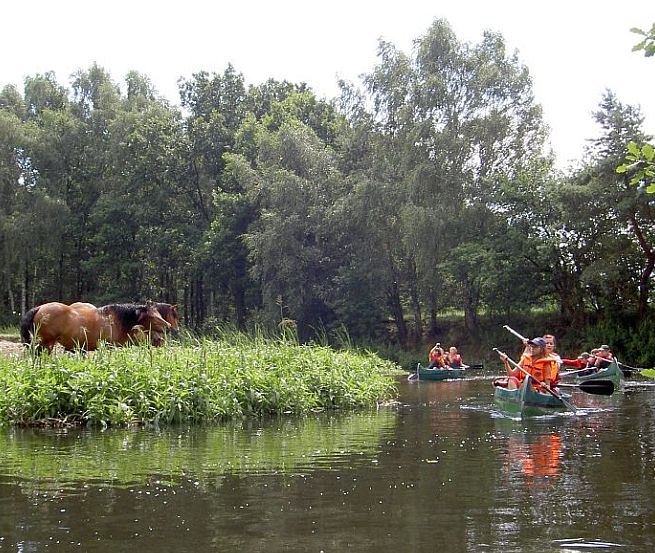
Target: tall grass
x,y
201,380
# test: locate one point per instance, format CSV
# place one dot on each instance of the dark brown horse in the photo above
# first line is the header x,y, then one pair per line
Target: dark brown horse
x,y
140,334
82,325
169,314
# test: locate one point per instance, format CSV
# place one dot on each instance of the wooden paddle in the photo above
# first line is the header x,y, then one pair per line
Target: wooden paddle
x,y
598,387
545,386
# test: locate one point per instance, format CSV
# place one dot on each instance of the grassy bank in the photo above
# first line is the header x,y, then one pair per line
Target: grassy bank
x,y
199,381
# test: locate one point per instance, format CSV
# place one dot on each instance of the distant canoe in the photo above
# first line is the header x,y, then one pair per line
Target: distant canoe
x,y
526,401
424,373
613,373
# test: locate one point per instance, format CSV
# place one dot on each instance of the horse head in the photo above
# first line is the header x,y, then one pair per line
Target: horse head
x,y
169,314
149,317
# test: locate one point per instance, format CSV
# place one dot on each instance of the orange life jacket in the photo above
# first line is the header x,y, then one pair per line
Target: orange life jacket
x,y
540,369
454,360
436,357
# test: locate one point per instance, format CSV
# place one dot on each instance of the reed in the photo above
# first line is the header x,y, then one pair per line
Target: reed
x,y
199,380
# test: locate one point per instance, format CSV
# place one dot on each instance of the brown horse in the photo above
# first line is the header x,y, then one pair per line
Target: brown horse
x,y
140,334
169,314
82,325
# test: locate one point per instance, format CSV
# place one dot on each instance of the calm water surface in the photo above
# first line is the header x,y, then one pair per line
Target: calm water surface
x,y
441,470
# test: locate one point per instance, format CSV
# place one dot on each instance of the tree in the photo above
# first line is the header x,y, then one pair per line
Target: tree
x,y
639,162
632,210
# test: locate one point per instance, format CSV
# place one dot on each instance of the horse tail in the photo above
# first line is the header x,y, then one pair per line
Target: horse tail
x,y
27,325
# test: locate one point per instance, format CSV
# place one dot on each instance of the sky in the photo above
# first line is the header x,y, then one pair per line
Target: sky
x,y
574,49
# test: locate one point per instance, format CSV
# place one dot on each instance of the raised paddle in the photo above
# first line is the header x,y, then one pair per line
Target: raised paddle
x,y
598,387
545,386
509,329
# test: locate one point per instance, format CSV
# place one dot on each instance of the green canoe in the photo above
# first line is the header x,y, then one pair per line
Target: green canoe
x,y
526,401
423,373
613,373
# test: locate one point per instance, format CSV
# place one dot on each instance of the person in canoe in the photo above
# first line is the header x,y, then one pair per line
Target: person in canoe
x,y
551,344
580,362
436,357
454,358
536,362
604,357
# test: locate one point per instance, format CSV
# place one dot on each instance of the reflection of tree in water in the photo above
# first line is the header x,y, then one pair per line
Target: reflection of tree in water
x,y
55,462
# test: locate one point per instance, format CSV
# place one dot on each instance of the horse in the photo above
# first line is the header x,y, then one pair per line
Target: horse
x,y
82,325
140,334
169,314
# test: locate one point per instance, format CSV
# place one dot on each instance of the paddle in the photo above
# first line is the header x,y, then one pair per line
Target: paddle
x,y
545,386
569,373
414,375
628,368
598,387
522,338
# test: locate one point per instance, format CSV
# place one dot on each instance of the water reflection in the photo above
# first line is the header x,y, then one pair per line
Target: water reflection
x,y
540,457
70,460
437,471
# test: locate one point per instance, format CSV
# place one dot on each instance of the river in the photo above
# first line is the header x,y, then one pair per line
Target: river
x,y
441,470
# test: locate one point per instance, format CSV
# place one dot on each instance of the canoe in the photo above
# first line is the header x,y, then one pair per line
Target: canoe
x,y
424,373
613,373
526,401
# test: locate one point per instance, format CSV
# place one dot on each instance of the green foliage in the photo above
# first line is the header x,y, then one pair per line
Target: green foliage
x,y
639,164
201,382
632,341
648,43
424,191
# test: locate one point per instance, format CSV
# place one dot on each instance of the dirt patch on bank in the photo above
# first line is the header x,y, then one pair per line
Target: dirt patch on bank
x,y
9,348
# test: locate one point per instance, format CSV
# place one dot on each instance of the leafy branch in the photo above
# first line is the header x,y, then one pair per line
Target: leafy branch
x,y
648,44
641,160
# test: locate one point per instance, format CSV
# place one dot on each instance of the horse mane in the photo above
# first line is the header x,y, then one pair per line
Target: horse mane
x,y
125,313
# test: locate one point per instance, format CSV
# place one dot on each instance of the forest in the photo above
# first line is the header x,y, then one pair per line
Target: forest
x,y
425,190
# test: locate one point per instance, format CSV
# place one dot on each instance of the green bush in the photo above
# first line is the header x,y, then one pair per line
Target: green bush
x,y
204,380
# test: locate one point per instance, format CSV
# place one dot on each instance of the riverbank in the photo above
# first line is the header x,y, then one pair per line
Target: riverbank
x,y
197,382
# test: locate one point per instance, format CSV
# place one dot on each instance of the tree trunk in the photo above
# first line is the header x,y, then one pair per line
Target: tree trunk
x,y
416,305
647,271
238,297
471,311
23,291
644,285
10,295
397,314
